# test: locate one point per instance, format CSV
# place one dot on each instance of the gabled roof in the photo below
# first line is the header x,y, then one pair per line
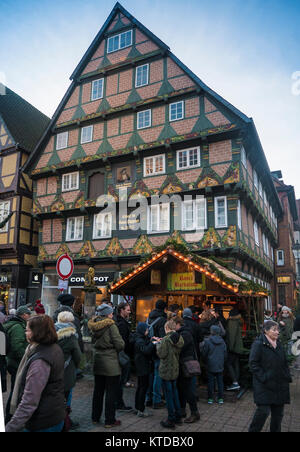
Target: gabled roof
x,y
25,123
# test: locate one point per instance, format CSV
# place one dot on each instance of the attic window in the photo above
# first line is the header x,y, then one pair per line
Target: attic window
x,y
119,42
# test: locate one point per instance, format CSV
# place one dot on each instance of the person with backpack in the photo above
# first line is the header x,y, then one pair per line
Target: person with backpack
x,y
168,350
16,346
214,352
143,357
68,342
3,358
156,322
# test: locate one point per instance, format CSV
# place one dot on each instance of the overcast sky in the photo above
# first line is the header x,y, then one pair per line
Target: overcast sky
x,y
248,51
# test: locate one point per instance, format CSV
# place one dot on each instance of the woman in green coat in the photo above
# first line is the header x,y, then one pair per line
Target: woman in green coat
x,y
107,343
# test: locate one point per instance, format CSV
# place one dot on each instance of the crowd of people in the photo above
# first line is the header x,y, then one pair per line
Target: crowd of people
x,y
167,354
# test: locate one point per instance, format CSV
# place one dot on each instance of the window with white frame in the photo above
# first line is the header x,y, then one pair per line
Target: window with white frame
x,y
154,165
256,235
70,181
142,75
239,214
62,140
102,225
280,257
86,134
243,157
194,215
4,212
144,119
260,189
159,218
255,179
265,244
221,212
74,229
176,111
97,89
120,41
188,158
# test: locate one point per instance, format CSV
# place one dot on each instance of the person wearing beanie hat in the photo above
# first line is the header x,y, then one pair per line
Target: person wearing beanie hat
x,y
39,308
286,323
66,304
143,357
158,317
15,331
107,343
214,353
187,313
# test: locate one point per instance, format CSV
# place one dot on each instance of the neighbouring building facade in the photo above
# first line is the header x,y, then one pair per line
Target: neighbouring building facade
x,y
137,122
285,273
21,126
297,245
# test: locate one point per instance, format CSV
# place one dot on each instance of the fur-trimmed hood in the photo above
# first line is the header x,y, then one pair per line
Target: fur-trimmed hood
x,y
97,324
65,332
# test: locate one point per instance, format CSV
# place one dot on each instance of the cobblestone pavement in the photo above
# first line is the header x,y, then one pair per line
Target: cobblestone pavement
x,y
230,417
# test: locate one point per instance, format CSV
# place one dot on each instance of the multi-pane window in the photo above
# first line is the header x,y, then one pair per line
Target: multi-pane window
x,y
61,140
119,42
194,215
256,235
221,212
260,189
255,179
265,244
75,228
142,75
97,89
280,257
159,218
86,134
239,214
176,111
144,119
4,212
243,157
154,165
70,181
102,225
188,158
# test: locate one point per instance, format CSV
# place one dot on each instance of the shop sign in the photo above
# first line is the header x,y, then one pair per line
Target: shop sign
x,y
101,279
4,279
283,279
184,281
155,277
36,278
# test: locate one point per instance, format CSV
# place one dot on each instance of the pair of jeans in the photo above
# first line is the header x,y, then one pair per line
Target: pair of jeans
x,y
125,375
261,415
140,395
55,429
109,386
212,376
186,393
233,366
172,400
157,382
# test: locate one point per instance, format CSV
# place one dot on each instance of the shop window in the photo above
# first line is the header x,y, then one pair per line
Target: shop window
x,y
96,186
75,228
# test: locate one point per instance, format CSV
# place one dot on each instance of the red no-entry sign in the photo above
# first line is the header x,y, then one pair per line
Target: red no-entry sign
x,y
64,266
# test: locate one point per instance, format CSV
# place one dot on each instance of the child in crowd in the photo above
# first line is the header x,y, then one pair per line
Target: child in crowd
x,y
168,350
214,352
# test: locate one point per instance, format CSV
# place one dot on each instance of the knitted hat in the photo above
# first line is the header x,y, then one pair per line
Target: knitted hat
x,y
23,310
39,308
187,313
161,305
215,330
142,328
66,299
104,310
285,308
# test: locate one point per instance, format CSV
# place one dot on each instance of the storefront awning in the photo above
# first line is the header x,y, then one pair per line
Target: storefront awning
x,y
224,277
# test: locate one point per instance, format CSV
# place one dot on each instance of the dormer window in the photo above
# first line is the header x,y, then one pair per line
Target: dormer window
x,y
119,42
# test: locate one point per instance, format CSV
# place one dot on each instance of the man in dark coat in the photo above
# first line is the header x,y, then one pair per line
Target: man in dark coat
x,y
271,378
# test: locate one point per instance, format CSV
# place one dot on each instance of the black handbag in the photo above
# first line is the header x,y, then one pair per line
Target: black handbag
x,y
191,368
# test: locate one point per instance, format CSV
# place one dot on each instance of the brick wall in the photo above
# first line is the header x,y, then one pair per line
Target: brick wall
x,y
220,152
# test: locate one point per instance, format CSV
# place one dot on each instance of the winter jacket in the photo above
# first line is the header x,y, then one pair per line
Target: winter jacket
x,y
2,359
76,322
68,342
286,331
214,353
159,327
168,350
107,343
144,351
297,323
234,338
15,332
125,331
271,375
205,328
188,350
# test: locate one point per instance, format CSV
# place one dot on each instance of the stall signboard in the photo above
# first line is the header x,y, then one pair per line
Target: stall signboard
x,y
184,282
